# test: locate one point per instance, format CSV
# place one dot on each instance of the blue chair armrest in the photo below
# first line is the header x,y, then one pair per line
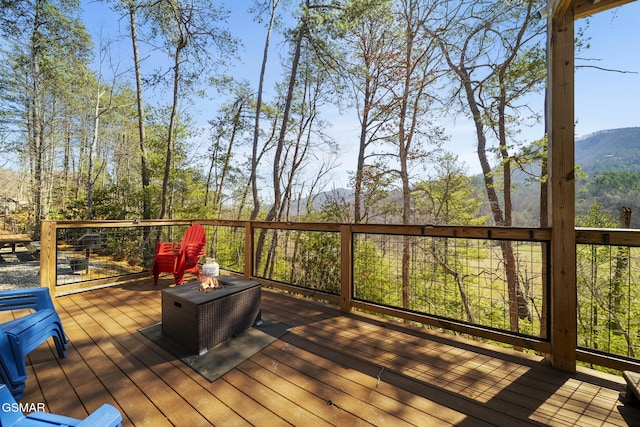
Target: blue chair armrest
x,y
104,416
29,298
8,418
43,419
11,361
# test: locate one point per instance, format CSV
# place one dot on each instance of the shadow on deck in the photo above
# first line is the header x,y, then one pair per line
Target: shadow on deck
x,y
329,369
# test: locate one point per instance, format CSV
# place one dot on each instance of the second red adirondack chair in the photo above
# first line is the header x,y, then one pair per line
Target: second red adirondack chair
x,y
180,257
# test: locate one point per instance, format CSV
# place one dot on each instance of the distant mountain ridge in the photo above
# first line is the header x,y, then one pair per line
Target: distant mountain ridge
x,y
609,150
597,154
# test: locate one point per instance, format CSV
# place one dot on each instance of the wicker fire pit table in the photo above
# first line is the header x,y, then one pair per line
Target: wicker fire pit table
x,y
199,320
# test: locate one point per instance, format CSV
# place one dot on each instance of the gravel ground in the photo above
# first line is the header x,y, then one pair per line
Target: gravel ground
x,y
18,274
25,273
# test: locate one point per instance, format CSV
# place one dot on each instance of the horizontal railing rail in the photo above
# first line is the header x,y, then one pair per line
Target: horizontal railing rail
x,y
486,282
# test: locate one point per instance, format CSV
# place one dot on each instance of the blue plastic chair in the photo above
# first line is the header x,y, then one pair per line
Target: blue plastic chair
x,y
11,415
20,336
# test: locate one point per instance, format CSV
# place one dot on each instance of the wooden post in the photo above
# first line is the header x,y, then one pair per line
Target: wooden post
x,y
560,125
248,250
346,268
48,256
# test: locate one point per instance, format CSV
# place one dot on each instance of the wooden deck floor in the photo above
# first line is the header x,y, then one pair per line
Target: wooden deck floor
x,y
329,369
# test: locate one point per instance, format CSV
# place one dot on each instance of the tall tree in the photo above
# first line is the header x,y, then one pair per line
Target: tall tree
x,y
198,46
228,130
365,29
299,35
414,139
270,6
309,144
494,51
50,46
145,174
100,107
130,8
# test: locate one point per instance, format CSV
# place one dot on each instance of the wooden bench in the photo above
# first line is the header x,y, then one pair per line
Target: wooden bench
x,y
632,394
32,252
20,336
11,240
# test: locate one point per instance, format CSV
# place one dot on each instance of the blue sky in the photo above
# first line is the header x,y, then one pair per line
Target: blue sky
x,y
609,100
604,100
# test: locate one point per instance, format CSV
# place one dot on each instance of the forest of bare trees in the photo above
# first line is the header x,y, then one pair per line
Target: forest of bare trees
x,y
102,133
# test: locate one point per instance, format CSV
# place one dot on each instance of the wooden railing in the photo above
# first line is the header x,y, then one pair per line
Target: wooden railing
x,y
608,276
447,277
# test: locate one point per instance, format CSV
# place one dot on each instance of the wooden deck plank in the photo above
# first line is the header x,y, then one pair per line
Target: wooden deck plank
x,y
383,395
51,384
371,371
393,380
387,409
184,381
297,388
281,407
176,408
104,358
463,379
90,391
329,401
251,410
201,395
468,379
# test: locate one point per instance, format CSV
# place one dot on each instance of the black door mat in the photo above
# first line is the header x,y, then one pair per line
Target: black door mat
x,y
225,356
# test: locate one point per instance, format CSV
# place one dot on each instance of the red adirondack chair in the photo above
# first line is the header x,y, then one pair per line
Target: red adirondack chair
x,y
180,257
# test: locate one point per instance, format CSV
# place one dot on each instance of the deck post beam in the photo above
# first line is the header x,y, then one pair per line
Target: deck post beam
x,y
561,140
249,252
346,268
48,254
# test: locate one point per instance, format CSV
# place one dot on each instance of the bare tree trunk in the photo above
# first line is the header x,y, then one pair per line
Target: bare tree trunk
x,y
66,167
413,86
172,127
256,130
277,166
359,178
36,141
615,294
93,146
515,296
619,274
404,143
459,278
301,147
277,191
227,158
144,168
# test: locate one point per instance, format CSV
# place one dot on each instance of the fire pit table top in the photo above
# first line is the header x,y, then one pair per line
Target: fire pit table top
x,y
228,285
